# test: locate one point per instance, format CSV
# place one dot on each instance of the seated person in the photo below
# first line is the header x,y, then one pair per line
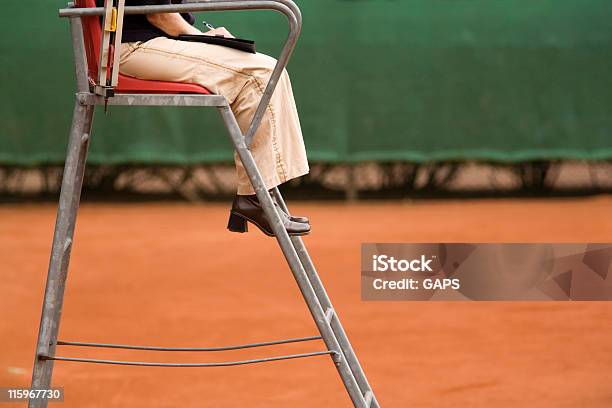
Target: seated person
x,y
149,52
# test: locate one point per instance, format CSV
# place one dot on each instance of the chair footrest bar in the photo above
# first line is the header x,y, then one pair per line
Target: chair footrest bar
x,y
221,364
153,348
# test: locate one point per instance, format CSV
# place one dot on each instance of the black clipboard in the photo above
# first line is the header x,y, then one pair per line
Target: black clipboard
x,y
236,43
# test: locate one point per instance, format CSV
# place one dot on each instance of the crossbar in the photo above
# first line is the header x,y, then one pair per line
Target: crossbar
x,y
85,98
154,348
221,364
282,6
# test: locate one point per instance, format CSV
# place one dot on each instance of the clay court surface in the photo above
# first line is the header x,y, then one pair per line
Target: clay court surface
x,y
168,274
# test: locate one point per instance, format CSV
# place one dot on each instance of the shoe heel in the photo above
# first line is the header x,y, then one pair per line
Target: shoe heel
x,y
237,223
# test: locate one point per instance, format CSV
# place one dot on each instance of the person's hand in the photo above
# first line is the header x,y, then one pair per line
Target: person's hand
x,y
219,31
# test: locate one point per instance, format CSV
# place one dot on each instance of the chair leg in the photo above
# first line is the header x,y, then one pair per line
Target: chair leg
x,y
70,194
310,297
335,323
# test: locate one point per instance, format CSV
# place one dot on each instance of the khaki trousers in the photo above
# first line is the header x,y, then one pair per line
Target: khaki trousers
x,y
278,147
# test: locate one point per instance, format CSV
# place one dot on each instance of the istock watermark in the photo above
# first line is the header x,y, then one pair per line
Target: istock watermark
x,y
474,271
384,263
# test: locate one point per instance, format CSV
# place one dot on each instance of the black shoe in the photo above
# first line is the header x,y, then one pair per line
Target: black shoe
x,y
247,208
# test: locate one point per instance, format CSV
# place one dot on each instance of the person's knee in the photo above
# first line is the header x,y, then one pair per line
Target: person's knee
x,y
268,62
264,66
271,64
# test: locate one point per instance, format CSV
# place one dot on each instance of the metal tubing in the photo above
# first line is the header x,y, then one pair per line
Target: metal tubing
x,y
222,364
153,348
291,256
336,325
86,98
62,244
80,59
72,180
287,7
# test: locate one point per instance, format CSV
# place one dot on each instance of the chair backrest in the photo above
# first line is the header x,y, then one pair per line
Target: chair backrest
x,y
92,36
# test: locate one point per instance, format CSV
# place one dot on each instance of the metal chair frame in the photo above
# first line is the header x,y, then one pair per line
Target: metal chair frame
x,y
331,331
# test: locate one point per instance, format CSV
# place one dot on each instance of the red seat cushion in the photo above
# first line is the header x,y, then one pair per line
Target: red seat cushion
x,y
133,85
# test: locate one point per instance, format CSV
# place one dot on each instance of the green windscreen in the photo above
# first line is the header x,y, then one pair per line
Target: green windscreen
x,y
383,80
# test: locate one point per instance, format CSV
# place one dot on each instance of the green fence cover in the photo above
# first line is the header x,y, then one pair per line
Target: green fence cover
x,y
383,80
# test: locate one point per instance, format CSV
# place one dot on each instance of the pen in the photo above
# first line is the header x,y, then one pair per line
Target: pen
x,y
208,25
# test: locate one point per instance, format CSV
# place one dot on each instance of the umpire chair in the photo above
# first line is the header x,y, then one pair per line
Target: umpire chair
x,y
99,82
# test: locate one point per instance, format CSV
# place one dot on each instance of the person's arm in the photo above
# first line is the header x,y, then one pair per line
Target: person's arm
x,y
174,25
